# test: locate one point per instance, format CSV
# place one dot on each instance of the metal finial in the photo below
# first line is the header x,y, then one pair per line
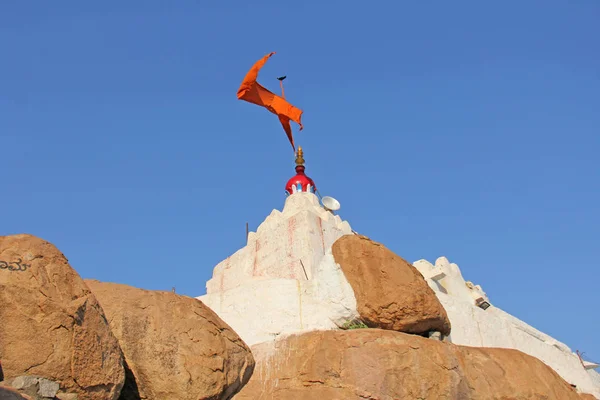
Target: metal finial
x,y
300,156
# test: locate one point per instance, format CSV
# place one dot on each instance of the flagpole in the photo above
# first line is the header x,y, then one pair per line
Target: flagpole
x,y
280,79
319,194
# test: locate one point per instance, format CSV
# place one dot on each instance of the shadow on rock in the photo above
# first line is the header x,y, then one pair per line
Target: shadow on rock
x,y
130,389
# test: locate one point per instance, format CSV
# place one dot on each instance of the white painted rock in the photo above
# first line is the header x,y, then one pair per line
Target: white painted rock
x,y
285,279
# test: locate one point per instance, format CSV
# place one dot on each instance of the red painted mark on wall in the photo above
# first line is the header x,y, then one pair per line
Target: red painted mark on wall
x,y
256,249
225,268
290,244
322,234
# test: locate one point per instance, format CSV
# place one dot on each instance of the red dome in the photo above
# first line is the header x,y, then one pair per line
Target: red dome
x,y
300,182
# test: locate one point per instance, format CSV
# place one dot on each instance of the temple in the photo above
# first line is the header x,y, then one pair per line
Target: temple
x,y
286,280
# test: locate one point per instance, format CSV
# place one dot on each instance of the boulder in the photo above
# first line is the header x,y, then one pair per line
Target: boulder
x,y
174,346
52,325
390,292
387,365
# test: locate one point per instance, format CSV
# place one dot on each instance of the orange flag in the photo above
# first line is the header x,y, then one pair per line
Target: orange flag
x,y
252,92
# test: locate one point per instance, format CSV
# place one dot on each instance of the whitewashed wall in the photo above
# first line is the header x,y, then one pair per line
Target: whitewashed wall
x,y
595,377
285,279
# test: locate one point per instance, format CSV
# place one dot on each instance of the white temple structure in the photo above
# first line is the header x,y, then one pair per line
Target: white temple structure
x,y
285,280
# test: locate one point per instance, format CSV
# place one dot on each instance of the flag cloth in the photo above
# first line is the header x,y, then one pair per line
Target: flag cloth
x,y
252,92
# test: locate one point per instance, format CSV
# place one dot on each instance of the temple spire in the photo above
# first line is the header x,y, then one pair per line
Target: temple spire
x,y
299,156
300,182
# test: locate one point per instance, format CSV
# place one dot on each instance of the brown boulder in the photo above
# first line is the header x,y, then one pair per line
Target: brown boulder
x,y
390,292
52,325
386,365
175,347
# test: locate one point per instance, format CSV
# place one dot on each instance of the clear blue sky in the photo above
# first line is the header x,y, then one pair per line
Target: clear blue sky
x,y
464,129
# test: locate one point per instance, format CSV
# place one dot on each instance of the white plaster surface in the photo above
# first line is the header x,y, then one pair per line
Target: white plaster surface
x,y
285,279
473,326
595,378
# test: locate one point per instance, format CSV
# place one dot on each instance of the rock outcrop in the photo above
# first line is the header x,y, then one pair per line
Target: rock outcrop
x,y
390,292
174,346
51,324
386,365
